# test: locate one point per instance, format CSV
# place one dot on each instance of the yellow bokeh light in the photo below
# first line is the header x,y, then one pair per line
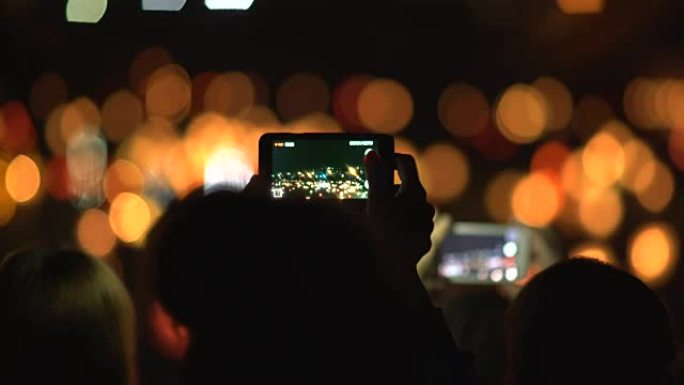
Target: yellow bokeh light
x,y
122,176
601,212
657,195
385,106
603,159
130,217
122,113
316,123
168,93
558,100
85,11
230,93
499,194
94,234
573,179
444,171
536,200
463,110
78,116
594,250
522,114
8,206
302,94
581,6
640,166
653,253
22,179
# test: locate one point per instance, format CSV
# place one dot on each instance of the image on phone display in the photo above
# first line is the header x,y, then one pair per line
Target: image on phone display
x,y
304,168
484,253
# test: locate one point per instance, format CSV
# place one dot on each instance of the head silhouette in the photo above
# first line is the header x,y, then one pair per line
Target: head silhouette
x,y
66,319
585,322
271,291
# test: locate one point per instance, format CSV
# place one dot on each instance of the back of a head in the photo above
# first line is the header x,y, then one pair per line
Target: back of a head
x,y
66,320
585,322
285,287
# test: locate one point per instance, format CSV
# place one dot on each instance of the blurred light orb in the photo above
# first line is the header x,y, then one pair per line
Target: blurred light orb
x,y
227,169
48,92
94,234
8,206
558,100
144,64
240,5
78,117
654,252
603,159
674,104
640,166
637,101
261,116
122,176
168,93
317,123
522,114
601,212
573,179
130,217
676,148
17,132
574,7
163,5
536,200
444,171
463,110
499,194
230,93
385,106
86,159
346,100
122,113
550,156
302,94
659,192
85,11
594,250
22,179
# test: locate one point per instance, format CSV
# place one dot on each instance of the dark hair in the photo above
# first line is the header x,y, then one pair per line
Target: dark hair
x,y
66,319
284,287
585,322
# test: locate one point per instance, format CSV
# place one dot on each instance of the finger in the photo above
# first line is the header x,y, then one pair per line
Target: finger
x,y
258,186
379,184
408,172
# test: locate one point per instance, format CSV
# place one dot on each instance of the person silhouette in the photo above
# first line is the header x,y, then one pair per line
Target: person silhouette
x,y
285,292
585,322
66,320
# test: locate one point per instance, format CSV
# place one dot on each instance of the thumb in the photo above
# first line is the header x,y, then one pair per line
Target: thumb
x,y
380,185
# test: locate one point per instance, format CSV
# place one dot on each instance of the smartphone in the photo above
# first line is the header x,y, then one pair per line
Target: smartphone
x,y
320,166
484,253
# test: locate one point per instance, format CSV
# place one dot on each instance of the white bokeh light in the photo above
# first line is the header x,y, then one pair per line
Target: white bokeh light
x,y
229,4
163,5
496,275
227,169
510,249
85,11
511,274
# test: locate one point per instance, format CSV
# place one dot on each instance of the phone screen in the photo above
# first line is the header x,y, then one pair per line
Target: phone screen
x,y
484,253
320,168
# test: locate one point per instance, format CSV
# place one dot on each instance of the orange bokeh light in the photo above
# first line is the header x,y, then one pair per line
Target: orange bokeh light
x,y
385,106
94,234
657,195
537,200
122,176
68,121
444,171
594,250
48,92
302,94
22,179
144,64
550,156
603,159
230,94
581,6
8,206
558,100
17,133
499,195
346,100
601,212
130,217
168,93
522,114
676,149
463,110
653,253
122,113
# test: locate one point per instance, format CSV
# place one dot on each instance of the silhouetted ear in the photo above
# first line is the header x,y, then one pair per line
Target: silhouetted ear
x,y
169,337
